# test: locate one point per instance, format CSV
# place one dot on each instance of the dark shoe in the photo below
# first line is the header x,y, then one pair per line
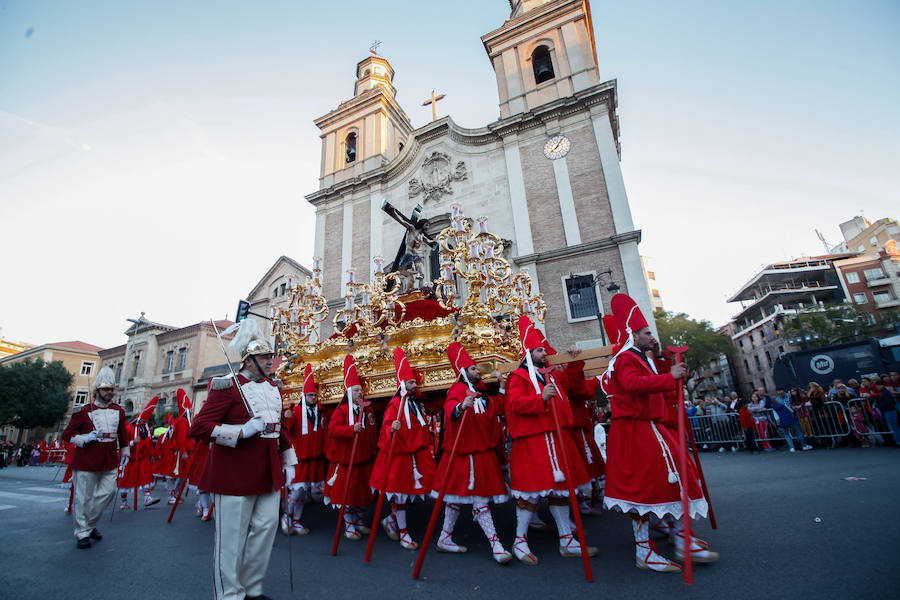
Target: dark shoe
x,y
95,535
260,597
84,543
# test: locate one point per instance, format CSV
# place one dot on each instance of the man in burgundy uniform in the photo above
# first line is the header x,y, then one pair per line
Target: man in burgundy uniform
x,y
475,475
97,431
247,465
642,476
537,459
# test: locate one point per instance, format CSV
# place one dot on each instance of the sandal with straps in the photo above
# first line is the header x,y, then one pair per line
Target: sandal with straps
x,y
524,556
652,561
499,552
570,547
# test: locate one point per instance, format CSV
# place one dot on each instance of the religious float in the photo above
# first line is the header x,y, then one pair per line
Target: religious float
x,y
476,301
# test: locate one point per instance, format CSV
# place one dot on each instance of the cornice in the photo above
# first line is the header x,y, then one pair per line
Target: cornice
x,y
603,93
602,244
529,20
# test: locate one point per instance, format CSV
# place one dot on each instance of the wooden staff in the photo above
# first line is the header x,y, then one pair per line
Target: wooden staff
x,y
712,515
686,534
387,472
579,528
442,489
337,530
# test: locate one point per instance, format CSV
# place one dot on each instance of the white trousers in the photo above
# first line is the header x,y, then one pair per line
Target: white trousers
x,y
93,491
245,531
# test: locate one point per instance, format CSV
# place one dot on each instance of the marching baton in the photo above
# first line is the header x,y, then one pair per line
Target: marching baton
x,y
440,499
387,473
286,501
337,531
712,515
579,528
686,534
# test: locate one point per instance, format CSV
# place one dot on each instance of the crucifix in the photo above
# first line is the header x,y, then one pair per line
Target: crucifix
x,y
415,249
433,102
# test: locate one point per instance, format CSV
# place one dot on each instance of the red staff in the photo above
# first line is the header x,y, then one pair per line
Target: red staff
x,y
387,471
579,529
442,491
337,531
686,534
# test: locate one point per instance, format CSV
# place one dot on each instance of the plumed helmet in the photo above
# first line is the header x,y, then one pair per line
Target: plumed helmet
x,y
249,339
105,379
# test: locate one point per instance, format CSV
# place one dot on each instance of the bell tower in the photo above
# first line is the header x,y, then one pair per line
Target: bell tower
x,y
366,131
544,51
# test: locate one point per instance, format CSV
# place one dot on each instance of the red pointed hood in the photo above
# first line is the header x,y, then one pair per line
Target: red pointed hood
x,y
309,384
459,358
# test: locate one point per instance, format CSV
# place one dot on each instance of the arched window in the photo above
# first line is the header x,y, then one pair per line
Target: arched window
x,y
350,147
542,64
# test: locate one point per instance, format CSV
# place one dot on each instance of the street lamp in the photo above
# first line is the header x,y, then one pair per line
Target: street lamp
x,y
612,288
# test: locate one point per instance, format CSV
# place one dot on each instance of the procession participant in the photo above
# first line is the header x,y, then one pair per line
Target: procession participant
x,y
475,476
536,460
178,447
307,432
247,465
411,472
97,431
642,477
582,399
352,417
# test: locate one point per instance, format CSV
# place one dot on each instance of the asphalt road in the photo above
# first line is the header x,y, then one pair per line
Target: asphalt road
x,y
768,537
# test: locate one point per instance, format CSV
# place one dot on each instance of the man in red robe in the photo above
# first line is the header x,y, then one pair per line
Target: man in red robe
x,y
307,432
246,467
353,419
475,476
411,473
98,432
536,460
642,476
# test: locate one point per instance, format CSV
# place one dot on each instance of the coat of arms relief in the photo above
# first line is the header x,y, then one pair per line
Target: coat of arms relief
x,y
436,177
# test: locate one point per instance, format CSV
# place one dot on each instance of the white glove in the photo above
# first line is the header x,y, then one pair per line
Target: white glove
x,y
253,427
85,438
289,472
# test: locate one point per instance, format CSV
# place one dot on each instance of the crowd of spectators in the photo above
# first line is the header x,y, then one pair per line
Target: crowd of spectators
x,y
859,412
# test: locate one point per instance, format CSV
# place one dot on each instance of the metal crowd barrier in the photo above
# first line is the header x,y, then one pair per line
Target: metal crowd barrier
x,y
830,421
864,407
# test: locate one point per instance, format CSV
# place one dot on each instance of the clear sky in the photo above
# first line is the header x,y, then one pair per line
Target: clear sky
x,y
154,156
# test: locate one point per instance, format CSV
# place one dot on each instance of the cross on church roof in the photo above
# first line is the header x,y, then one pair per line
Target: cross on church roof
x,y
433,102
374,47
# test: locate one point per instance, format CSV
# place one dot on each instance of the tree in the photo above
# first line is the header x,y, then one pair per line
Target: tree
x,y
34,394
819,326
678,329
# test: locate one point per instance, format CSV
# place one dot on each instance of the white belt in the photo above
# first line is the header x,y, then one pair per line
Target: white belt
x,y
272,430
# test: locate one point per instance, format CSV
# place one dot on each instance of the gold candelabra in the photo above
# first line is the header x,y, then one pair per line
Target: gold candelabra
x,y
472,256
298,322
367,306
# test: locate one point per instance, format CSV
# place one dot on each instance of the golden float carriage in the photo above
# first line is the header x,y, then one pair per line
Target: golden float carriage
x,y
476,301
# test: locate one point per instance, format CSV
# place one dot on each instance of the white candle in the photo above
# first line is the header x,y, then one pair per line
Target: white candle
x,y
317,263
348,304
448,273
365,298
351,274
489,249
475,250
482,224
379,264
455,211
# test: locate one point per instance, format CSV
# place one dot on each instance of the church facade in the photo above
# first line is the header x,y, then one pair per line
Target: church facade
x,y
546,174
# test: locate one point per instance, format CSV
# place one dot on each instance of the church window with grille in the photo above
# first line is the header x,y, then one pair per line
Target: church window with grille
x,y
182,358
542,64
350,147
582,297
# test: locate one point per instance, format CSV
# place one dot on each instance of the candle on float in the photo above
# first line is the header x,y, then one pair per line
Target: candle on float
x,y
526,307
379,264
448,273
489,249
482,224
317,263
365,298
351,276
348,302
455,211
475,250
290,283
